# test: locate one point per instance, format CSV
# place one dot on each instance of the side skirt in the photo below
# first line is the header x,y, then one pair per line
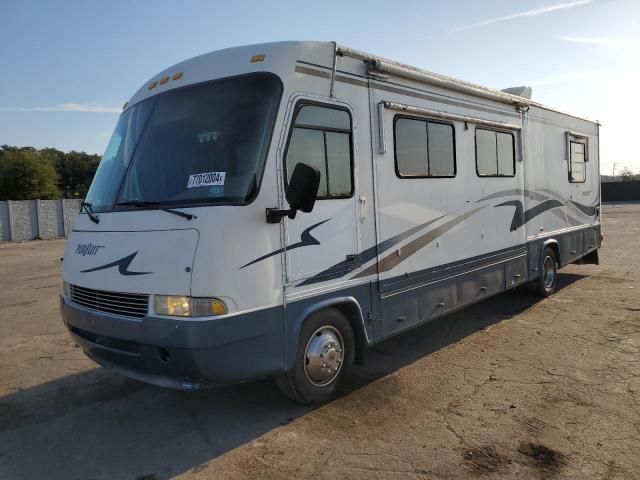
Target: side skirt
x,y
422,296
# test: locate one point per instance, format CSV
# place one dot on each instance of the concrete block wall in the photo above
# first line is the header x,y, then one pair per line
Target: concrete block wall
x,y
70,209
48,219
30,219
25,221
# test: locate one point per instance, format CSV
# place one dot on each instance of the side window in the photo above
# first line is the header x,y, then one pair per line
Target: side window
x,y
577,170
424,148
495,153
321,137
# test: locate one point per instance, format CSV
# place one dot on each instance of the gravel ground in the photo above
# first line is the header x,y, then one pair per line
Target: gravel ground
x,y
514,387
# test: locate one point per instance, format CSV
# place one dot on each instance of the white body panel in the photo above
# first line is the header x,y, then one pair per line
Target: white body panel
x,y
150,269
408,202
546,171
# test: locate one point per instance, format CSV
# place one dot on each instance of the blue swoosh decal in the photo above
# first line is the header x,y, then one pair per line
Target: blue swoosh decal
x,y
520,217
122,264
306,239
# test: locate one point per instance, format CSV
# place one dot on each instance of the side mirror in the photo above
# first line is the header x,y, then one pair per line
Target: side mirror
x,y
303,188
301,193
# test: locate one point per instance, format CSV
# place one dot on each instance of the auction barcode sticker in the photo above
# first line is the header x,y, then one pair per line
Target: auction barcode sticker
x,y
206,179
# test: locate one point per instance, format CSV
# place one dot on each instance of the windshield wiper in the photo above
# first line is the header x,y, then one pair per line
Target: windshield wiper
x,y
140,203
88,207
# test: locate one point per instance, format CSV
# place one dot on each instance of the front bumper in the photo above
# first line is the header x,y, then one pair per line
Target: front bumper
x,y
183,354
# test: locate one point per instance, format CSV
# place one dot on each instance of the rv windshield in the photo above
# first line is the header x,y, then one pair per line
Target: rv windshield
x,y
199,145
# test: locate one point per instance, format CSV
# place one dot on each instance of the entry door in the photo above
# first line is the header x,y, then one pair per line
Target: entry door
x,y
323,245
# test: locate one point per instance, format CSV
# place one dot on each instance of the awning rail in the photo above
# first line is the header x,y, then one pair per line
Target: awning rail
x,y
382,65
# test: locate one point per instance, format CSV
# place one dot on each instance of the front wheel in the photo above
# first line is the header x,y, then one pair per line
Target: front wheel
x,y
325,352
548,273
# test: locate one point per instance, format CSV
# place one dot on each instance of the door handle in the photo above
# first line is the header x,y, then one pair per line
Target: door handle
x,y
362,203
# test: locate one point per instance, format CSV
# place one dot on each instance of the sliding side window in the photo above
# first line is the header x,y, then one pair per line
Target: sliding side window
x,y
424,148
577,171
495,153
578,156
321,137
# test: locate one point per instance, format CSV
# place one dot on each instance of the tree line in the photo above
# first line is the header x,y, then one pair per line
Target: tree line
x,y
27,173
625,175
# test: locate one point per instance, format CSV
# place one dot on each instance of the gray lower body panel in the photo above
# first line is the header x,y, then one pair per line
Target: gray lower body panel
x,y
571,246
464,285
182,353
425,295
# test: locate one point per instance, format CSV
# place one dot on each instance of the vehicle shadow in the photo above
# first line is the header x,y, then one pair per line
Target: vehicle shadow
x,y
96,425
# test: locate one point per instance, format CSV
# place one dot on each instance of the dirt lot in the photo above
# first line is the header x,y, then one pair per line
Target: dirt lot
x,y
512,388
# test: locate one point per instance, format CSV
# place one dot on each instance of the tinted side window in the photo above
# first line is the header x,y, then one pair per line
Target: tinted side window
x,y
321,137
307,146
424,148
486,162
441,154
411,148
506,163
495,153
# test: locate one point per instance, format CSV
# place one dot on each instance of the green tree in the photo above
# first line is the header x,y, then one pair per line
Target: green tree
x,y
75,170
26,175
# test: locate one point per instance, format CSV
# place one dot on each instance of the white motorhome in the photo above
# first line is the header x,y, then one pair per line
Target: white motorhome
x,y
274,209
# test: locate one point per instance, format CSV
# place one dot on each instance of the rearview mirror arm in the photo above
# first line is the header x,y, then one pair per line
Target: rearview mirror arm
x,y
274,215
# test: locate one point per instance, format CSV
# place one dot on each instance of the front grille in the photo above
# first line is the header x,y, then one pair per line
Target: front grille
x,y
127,304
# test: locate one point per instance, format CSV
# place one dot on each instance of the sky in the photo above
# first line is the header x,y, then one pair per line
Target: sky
x,y
67,67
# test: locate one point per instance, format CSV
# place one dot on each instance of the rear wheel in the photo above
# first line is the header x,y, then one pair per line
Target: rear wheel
x,y
548,273
326,350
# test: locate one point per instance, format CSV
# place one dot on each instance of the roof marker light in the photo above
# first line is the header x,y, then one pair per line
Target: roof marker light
x,y
177,76
152,85
258,58
164,80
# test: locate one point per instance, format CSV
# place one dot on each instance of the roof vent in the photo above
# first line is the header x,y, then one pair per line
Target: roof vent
x,y
524,92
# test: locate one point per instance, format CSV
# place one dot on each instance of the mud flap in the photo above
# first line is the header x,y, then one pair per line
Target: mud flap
x,y
590,259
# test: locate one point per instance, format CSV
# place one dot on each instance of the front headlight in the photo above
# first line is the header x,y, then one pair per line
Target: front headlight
x,y
180,306
65,288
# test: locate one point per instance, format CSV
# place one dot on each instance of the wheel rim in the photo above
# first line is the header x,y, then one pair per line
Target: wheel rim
x,y
549,272
323,356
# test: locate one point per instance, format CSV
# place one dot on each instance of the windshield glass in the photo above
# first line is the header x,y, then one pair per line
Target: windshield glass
x,y
205,144
115,160
201,145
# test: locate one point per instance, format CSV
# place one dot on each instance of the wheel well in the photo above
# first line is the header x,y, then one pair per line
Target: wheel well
x,y
354,315
554,246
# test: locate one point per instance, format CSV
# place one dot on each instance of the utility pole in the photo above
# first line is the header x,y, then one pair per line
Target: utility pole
x,y
613,173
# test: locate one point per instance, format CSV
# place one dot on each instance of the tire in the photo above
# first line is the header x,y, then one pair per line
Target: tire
x,y
326,334
546,284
